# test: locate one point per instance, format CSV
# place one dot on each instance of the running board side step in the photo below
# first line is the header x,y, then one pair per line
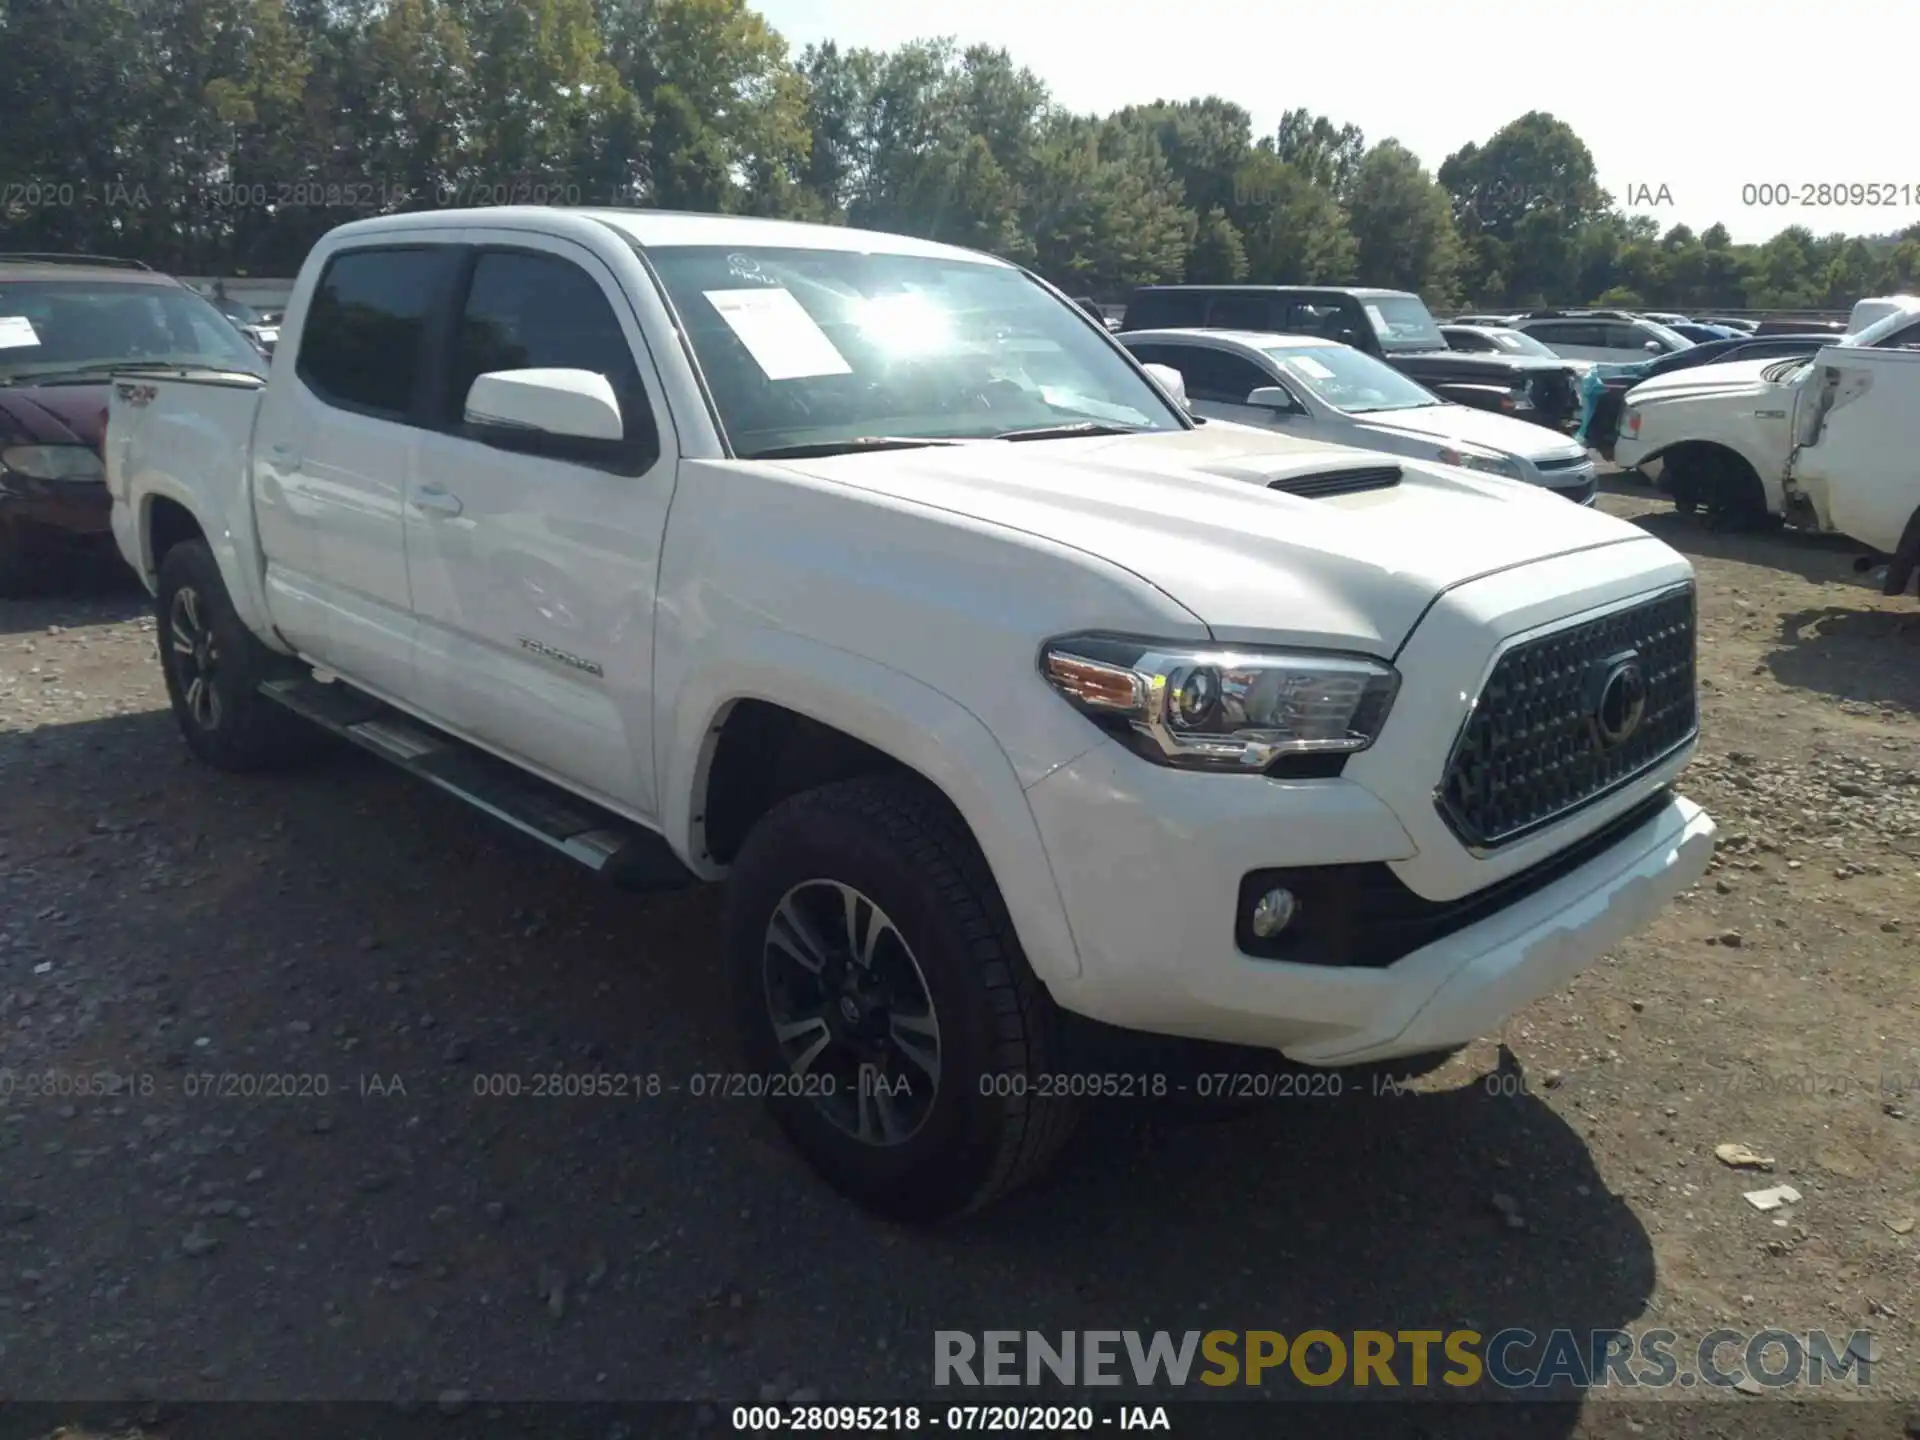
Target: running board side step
x,y
619,851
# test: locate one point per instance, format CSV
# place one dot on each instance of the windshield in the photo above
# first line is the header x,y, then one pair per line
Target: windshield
x,y
1785,372
1349,380
54,327
1516,342
1403,322
236,310
827,347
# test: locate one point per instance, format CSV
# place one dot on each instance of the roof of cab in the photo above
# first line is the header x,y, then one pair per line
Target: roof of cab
x,y
661,229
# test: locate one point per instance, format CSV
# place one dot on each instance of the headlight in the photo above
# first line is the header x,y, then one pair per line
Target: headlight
x,y
1202,708
1483,460
52,462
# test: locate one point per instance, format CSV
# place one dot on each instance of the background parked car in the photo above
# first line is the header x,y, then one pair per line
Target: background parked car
x,y
1801,327
1322,390
1501,340
263,332
1744,327
1702,333
1617,337
1876,308
66,324
1392,325
1604,427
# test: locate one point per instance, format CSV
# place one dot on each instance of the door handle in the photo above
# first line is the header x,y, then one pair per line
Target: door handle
x,y
434,500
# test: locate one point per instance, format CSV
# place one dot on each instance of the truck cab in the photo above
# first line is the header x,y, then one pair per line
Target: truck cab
x,y
1020,717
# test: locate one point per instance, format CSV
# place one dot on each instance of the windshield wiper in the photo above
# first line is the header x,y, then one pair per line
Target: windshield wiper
x,y
814,448
1066,432
82,374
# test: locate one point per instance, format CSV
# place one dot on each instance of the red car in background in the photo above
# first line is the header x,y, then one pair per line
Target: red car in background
x,y
68,323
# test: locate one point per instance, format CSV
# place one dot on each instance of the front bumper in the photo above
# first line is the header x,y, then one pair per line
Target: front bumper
x,y
1150,862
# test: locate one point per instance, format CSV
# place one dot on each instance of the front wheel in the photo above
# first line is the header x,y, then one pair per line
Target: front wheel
x,y
884,1005
214,667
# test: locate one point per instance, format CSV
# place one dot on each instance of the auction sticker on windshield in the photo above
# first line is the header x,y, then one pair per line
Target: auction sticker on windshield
x,y
1380,322
778,332
16,331
1307,365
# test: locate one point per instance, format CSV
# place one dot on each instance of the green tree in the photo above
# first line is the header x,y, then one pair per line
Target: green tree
x,y
1403,225
1329,155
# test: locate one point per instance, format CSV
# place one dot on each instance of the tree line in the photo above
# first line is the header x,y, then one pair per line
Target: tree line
x,y
225,136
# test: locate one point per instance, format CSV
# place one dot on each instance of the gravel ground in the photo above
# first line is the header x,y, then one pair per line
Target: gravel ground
x,y
384,1231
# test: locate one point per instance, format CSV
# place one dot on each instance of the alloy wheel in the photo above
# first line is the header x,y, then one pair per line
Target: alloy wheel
x,y
196,658
851,1012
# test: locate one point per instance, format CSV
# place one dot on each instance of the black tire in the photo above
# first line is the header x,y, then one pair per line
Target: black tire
x,y
983,1127
226,721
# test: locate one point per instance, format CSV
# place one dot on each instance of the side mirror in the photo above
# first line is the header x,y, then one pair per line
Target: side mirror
x,y
1171,381
1653,347
529,404
1272,397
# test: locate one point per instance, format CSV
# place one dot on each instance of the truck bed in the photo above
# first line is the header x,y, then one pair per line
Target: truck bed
x,y
185,434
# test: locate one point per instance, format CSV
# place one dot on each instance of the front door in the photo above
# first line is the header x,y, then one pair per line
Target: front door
x,y
534,576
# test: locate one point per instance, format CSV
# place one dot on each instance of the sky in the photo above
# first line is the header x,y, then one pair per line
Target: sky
x,y
1695,110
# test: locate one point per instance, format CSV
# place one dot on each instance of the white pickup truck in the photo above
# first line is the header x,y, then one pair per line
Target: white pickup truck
x,y
1824,443
877,578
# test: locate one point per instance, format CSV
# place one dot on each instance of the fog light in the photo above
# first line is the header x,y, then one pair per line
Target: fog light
x,y
1273,912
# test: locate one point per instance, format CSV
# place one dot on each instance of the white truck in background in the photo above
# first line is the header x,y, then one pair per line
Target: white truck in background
x,y
1824,444
876,578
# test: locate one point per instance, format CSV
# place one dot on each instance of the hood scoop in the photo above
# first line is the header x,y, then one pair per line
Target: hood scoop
x,y
1328,483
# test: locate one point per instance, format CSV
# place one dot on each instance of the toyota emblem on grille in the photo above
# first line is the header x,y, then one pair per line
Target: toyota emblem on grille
x,y
1619,699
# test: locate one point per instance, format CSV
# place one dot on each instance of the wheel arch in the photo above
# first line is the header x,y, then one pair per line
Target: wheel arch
x,y
854,716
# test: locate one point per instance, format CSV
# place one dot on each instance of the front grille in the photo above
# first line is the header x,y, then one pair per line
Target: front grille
x,y
1531,751
1566,464
1340,482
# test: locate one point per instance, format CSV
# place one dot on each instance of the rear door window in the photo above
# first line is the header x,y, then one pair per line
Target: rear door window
x,y
363,346
1217,376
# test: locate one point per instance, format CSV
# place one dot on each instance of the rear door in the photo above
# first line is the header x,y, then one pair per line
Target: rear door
x,y
534,576
332,451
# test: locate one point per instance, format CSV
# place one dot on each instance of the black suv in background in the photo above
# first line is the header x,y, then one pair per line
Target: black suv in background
x,y
1394,325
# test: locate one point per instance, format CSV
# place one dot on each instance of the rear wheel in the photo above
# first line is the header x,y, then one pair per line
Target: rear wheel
x,y
884,1005
214,667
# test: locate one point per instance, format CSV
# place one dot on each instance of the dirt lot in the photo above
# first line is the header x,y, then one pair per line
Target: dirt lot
x,y
402,1236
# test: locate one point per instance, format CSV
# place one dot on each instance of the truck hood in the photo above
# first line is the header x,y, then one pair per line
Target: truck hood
x,y
1462,424
1192,513
1734,377
54,414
